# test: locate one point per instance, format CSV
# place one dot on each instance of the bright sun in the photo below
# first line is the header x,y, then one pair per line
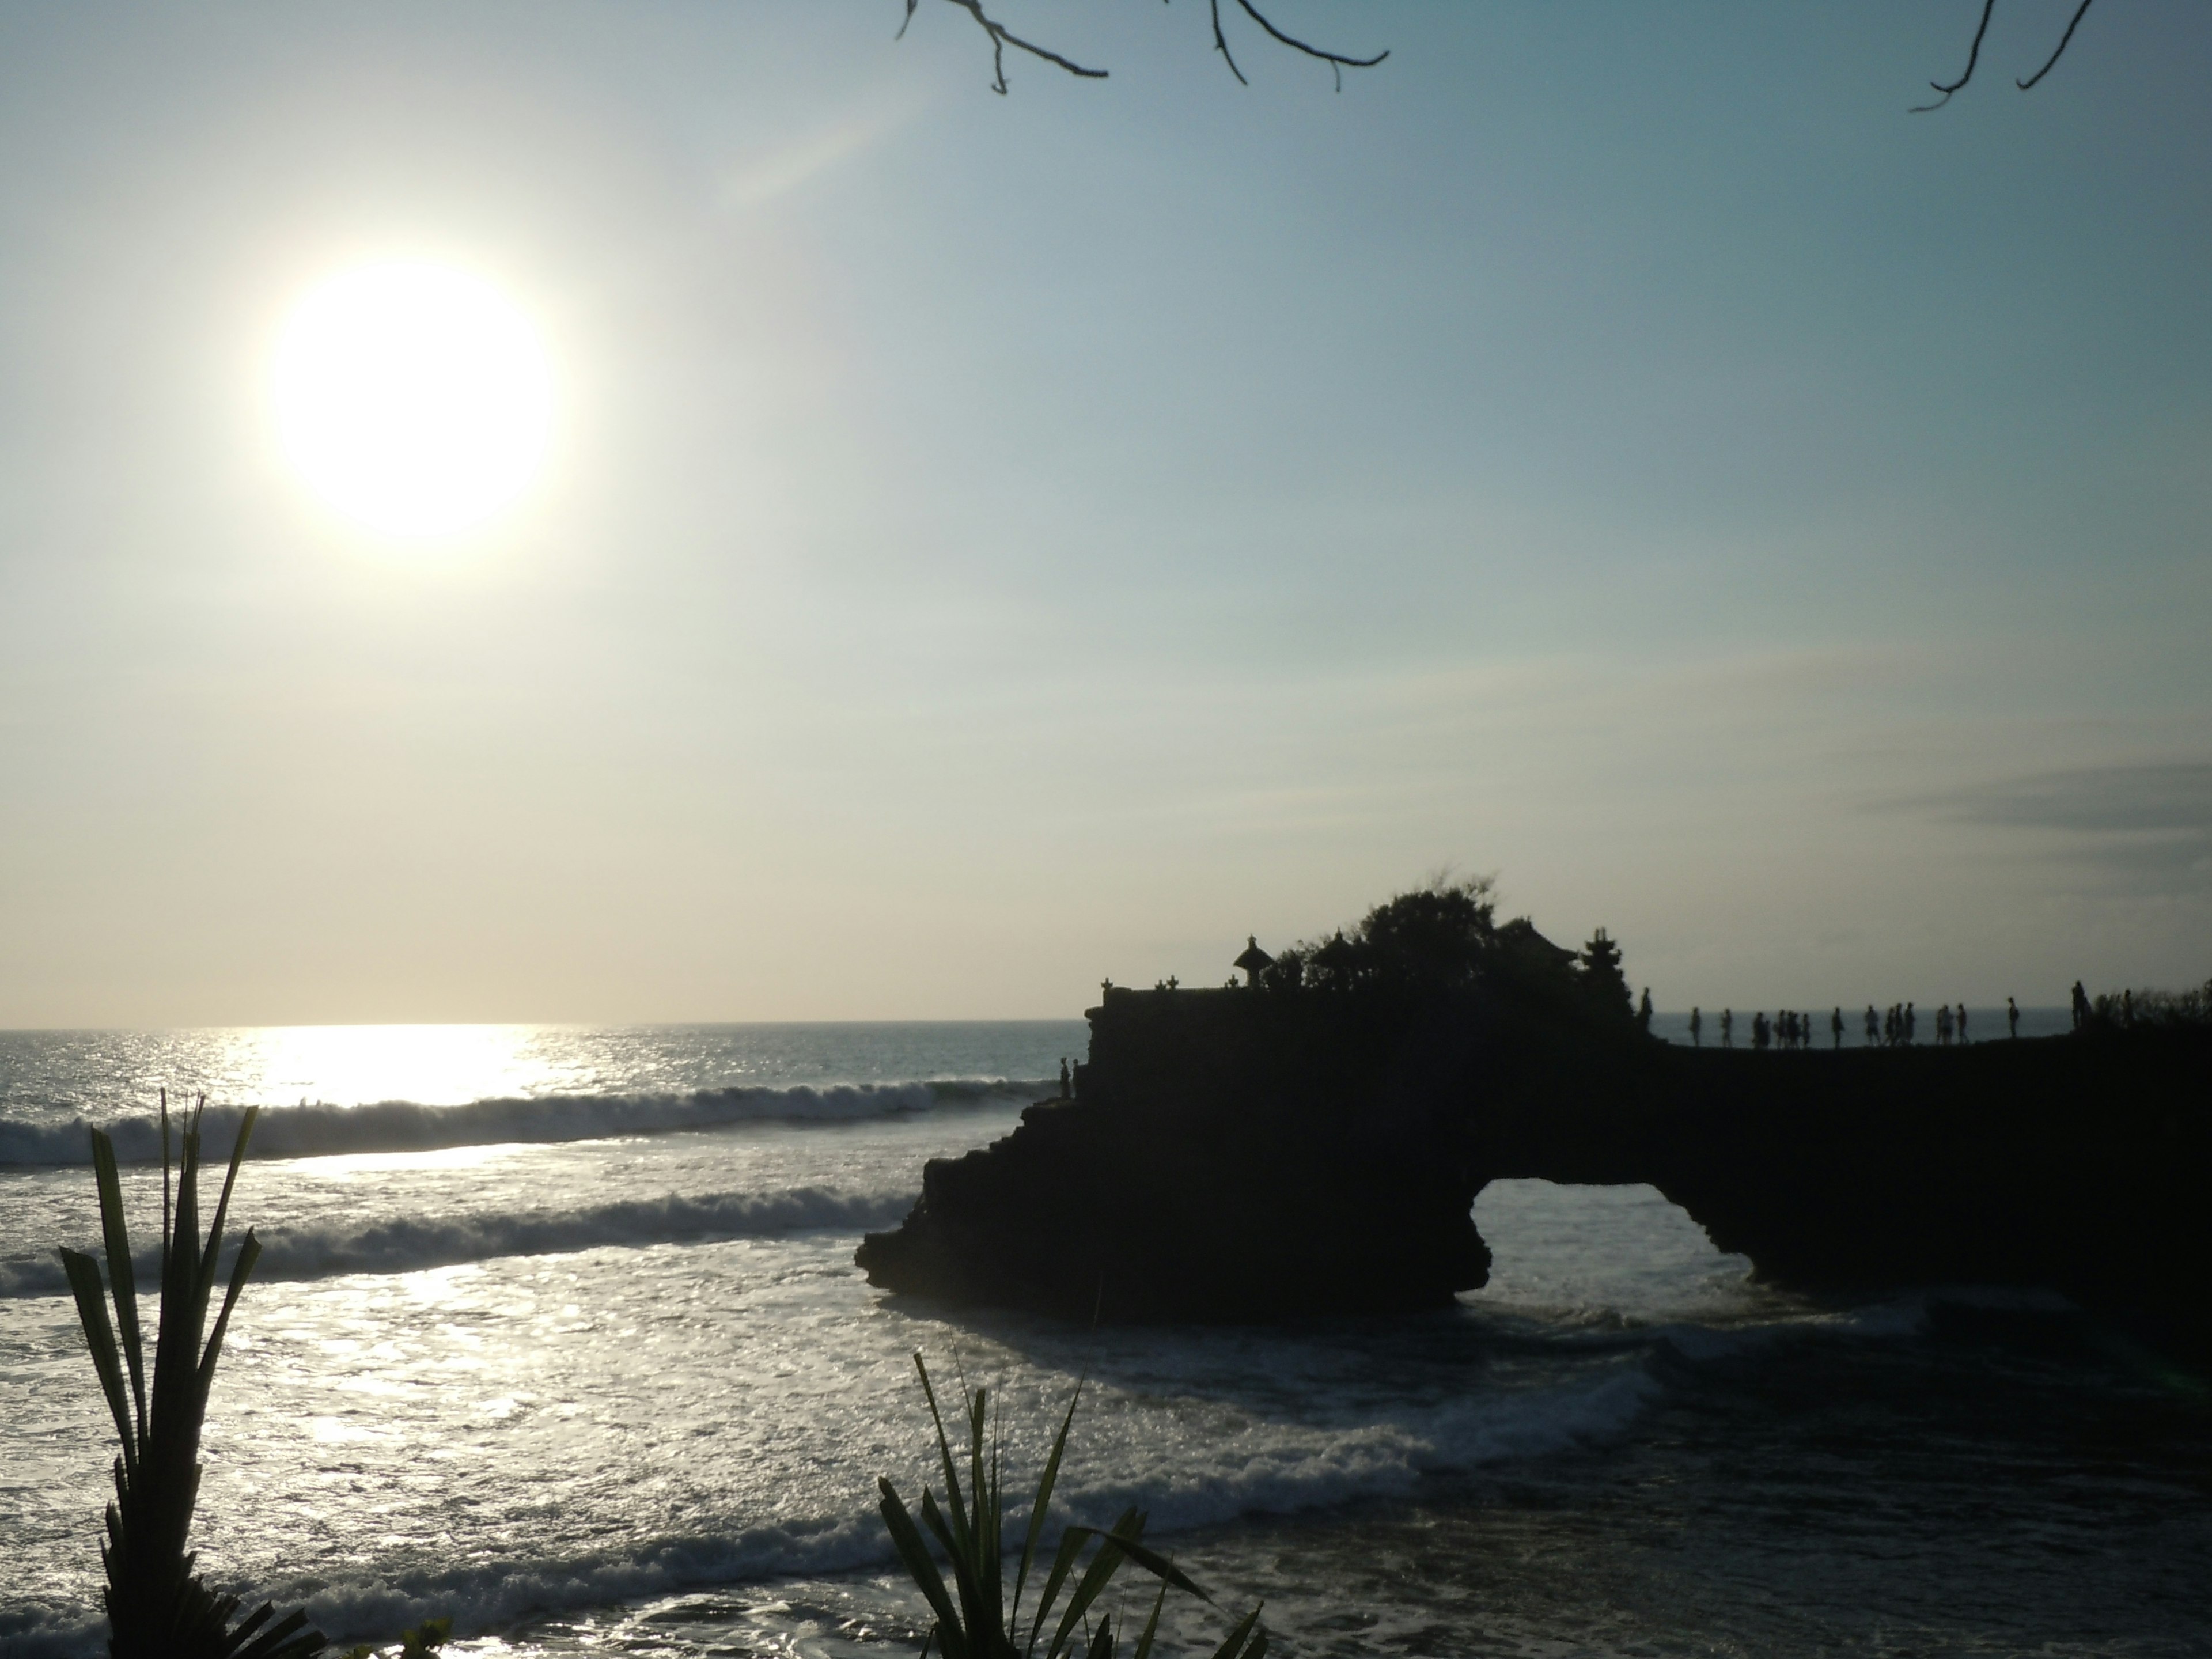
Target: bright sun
x,y
415,398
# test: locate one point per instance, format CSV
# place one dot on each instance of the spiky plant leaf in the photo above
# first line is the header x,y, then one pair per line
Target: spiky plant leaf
x,y
913,1555
1037,1507
975,1620
1152,1625
1104,1565
1247,1640
157,1606
122,1272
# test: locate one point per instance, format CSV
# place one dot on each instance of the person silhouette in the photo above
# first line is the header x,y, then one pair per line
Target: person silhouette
x,y
1762,1032
1644,1010
2012,1017
1960,1022
1836,1026
1943,1026
1063,1077
1728,1027
1873,1026
1697,1028
2081,1006
1911,1020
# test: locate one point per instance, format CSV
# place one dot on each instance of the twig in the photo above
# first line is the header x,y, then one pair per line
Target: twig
x,y
1002,38
1973,57
2080,12
1337,61
1221,44
1974,54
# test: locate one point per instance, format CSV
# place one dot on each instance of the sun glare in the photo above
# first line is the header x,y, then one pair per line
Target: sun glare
x,y
413,398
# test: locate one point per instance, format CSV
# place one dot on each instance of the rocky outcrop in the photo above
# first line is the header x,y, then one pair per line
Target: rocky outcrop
x,y
1215,1165
1256,1153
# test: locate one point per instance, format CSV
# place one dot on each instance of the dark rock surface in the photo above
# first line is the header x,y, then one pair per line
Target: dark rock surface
x,y
1288,1150
1210,1170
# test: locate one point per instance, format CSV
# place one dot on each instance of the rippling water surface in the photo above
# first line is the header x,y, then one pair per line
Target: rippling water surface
x,y
557,1332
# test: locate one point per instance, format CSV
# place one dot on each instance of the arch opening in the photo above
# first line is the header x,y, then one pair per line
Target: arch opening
x,y
1626,1250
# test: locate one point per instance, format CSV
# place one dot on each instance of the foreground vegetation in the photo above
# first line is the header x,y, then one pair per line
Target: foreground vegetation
x,y
975,1617
158,1607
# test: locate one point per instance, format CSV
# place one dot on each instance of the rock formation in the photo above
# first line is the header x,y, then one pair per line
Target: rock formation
x,y
1315,1143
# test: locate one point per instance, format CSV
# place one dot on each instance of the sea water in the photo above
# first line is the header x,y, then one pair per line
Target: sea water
x,y
557,1332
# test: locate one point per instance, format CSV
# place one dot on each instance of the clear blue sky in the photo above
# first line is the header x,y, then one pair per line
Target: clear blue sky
x,y
993,543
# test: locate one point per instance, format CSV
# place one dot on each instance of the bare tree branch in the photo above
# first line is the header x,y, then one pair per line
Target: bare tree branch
x,y
1336,60
1001,37
1974,54
1221,44
2080,12
1973,57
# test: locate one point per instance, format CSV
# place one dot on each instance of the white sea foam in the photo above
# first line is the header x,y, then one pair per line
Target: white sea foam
x,y
406,1245
1224,1469
486,1595
398,1126
1186,1476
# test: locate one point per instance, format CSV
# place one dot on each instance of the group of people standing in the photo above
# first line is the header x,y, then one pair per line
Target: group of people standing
x,y
1898,1026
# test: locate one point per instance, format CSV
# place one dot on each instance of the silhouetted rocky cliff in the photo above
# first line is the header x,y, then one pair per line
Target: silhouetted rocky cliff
x,y
1314,1144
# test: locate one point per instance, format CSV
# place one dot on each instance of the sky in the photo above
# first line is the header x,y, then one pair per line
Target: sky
x,y
991,543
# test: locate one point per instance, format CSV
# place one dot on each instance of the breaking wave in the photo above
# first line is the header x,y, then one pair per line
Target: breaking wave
x,y
1274,1468
405,1244
403,1126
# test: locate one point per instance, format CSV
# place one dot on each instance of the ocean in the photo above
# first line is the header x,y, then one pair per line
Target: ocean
x,y
557,1332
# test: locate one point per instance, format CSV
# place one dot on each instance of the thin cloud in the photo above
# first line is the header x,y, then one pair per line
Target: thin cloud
x,y
2168,797
2149,824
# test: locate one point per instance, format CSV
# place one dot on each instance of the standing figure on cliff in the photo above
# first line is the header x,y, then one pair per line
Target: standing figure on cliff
x,y
1911,1019
2012,1017
1943,1026
1961,1022
1728,1027
1761,1032
1063,1077
1644,1011
1873,1026
1836,1026
1697,1028
2081,1006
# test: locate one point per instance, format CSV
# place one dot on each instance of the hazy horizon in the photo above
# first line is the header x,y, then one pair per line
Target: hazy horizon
x,y
991,544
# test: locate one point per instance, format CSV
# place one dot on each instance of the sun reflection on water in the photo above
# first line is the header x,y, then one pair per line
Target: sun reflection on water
x,y
432,1065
